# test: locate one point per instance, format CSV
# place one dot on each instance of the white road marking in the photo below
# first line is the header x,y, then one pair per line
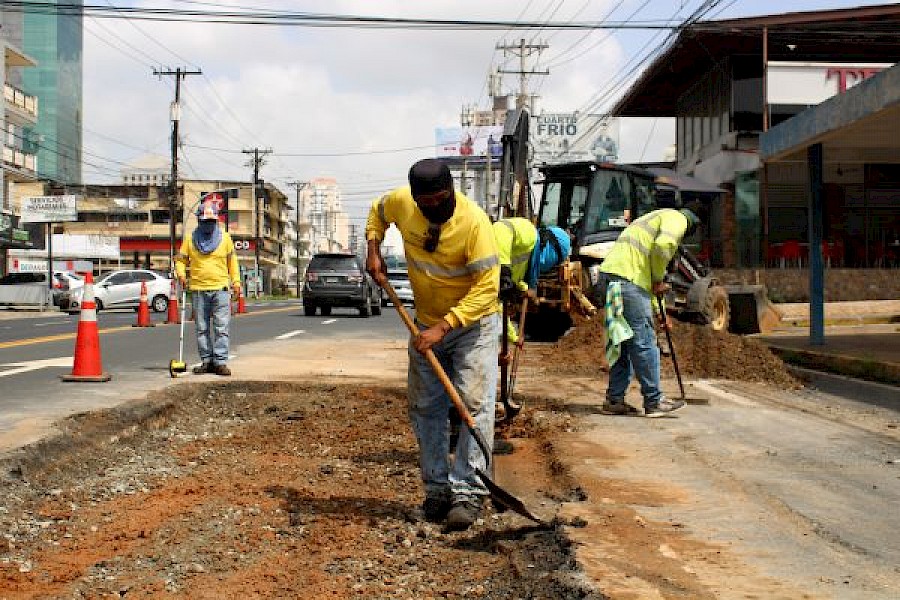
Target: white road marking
x,y
34,365
329,321
289,334
51,323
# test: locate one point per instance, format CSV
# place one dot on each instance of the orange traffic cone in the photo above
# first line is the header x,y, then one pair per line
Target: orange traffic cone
x,y
143,316
173,318
242,306
88,365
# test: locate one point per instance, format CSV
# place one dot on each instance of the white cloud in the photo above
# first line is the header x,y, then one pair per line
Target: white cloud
x,y
321,90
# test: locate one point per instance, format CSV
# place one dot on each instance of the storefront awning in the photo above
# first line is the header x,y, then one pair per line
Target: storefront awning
x,y
685,183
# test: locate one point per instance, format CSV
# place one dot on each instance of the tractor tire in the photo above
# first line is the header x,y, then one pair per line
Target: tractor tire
x,y
717,308
326,311
547,325
309,310
376,307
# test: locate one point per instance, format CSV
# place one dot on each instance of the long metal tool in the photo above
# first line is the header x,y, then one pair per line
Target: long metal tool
x,y
498,494
511,406
665,326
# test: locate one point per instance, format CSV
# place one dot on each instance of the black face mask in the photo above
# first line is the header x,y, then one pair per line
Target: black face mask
x,y
440,213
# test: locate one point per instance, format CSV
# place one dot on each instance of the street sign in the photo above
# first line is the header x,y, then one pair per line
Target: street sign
x,y
48,209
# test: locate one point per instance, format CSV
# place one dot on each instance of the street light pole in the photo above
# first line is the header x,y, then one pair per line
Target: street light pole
x,y
256,162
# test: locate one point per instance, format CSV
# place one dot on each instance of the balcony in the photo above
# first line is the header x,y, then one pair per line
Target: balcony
x,y
20,166
21,108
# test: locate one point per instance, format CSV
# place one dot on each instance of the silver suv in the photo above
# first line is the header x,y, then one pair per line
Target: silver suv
x,y
339,280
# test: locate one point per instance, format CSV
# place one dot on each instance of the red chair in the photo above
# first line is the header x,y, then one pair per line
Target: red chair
x,y
773,255
791,253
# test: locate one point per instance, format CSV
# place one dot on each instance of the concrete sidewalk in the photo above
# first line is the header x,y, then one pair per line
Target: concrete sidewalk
x,y
847,313
869,352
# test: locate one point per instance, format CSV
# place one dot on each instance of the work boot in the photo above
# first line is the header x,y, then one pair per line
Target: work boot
x,y
617,408
436,507
221,370
202,369
464,512
664,408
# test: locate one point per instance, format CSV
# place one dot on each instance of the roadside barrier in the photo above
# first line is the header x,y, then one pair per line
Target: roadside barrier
x,y
143,314
173,317
88,365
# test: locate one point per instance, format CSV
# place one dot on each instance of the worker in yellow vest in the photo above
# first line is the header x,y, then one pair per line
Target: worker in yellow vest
x,y
634,271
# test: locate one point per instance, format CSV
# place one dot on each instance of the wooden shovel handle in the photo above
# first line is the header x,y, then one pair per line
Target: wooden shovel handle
x,y
432,359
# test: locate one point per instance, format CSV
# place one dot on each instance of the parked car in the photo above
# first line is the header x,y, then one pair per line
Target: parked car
x,y
122,289
399,279
65,282
338,279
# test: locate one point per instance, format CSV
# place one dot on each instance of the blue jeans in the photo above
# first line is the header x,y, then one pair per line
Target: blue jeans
x,y
639,354
469,357
212,314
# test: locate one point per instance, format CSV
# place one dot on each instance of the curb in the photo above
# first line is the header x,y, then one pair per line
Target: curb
x,y
839,364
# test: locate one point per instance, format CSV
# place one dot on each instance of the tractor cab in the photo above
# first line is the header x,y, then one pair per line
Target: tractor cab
x,y
594,202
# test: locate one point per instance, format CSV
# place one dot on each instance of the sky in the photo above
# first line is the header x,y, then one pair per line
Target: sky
x,y
359,105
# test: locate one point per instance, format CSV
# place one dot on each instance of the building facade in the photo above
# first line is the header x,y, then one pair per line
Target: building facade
x,y
324,225
19,111
137,217
727,82
56,42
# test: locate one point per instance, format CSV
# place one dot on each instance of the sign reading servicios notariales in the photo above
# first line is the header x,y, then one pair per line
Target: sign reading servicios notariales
x,y
48,209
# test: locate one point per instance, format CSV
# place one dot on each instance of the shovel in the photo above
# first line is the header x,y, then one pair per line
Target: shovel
x,y
665,325
498,494
511,407
179,366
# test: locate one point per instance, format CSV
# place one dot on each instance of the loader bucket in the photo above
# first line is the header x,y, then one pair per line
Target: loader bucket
x,y
751,311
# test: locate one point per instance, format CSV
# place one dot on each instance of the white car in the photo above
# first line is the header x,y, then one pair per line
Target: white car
x,y
399,279
122,289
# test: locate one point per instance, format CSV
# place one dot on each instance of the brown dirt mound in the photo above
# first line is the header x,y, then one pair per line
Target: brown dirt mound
x,y
701,352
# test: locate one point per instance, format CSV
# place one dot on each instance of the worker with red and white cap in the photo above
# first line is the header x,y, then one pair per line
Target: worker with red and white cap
x,y
214,273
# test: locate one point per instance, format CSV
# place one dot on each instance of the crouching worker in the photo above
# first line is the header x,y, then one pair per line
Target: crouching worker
x,y
525,253
453,271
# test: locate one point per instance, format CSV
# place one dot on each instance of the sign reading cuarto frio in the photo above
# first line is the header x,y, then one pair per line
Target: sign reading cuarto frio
x,y
48,209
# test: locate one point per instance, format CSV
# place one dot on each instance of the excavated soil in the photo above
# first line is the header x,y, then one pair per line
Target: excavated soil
x,y
263,490
701,352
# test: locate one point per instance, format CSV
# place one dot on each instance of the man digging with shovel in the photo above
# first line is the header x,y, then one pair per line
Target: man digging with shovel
x,y
454,274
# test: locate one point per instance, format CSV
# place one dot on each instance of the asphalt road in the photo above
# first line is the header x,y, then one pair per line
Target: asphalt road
x,y
36,351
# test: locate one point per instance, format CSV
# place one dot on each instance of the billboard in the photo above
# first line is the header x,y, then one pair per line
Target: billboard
x,y
48,209
564,137
468,141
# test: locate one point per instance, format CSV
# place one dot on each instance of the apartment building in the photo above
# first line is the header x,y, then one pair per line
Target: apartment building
x,y
19,165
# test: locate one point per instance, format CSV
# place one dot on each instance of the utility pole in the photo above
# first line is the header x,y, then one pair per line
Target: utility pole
x,y
300,185
175,114
523,50
256,162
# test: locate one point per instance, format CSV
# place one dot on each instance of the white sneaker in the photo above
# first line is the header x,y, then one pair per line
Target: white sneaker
x,y
664,408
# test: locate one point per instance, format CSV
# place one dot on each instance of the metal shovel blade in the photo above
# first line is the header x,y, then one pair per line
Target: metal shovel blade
x,y
504,498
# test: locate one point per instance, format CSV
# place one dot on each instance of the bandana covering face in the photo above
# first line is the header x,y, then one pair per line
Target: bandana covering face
x,y
207,236
430,176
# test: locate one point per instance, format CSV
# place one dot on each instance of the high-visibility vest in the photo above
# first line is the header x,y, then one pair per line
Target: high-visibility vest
x,y
643,250
516,238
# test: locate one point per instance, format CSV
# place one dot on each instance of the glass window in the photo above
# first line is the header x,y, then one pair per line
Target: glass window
x,y
143,276
610,194
119,279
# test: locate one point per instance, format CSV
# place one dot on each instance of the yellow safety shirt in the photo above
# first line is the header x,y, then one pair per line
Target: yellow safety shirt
x,y
643,250
459,281
516,238
214,271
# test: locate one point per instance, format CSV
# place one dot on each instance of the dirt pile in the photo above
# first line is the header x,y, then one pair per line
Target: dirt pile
x,y
701,352
260,490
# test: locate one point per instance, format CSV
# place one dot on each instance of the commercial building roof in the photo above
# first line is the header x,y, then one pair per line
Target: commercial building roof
x,y
863,34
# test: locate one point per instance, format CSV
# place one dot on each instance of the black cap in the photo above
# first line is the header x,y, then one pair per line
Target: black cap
x,y
430,175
